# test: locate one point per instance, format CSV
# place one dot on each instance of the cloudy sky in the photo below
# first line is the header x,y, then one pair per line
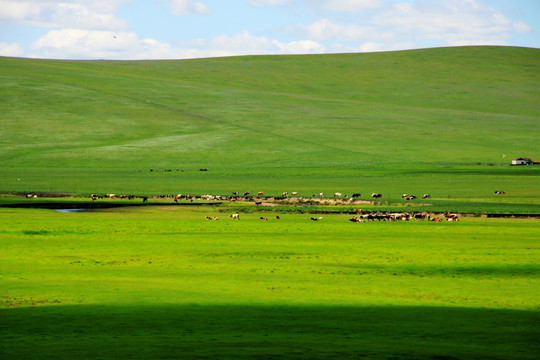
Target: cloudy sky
x,y
177,29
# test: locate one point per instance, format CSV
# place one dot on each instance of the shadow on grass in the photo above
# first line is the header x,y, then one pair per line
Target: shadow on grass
x,y
259,332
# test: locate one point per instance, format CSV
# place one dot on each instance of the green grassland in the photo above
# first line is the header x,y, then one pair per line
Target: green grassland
x,y
162,282
401,122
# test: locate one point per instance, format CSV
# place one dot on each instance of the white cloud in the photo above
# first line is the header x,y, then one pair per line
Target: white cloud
x,y
521,27
245,43
326,30
85,44
351,5
11,49
187,7
91,14
460,22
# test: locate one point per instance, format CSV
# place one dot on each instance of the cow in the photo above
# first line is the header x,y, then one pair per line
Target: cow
x,y
449,216
258,202
316,219
235,216
420,216
321,195
376,195
276,217
426,196
356,219
247,193
263,218
203,169
294,193
338,194
499,192
285,194
356,195
208,217
260,193
358,211
235,193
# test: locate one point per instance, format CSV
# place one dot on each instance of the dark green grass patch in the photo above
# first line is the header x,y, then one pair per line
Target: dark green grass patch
x,y
267,332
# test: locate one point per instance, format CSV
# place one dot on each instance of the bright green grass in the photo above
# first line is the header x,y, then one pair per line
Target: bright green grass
x,y
164,282
399,122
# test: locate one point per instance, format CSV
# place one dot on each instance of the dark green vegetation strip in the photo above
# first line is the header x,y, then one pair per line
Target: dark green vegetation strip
x,y
268,332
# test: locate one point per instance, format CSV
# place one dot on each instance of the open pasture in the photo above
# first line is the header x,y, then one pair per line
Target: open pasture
x,y
161,281
442,121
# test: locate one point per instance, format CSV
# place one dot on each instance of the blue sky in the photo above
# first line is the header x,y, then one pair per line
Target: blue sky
x,y
179,29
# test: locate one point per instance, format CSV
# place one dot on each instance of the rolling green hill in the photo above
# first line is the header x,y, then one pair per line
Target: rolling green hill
x,y
409,121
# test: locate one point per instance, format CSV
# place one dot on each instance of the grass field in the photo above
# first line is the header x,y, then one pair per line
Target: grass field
x,y
422,121
162,282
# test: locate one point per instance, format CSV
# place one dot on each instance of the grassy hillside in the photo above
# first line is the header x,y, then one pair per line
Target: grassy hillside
x,y
410,121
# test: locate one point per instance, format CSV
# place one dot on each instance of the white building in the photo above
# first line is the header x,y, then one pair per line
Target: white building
x,y
522,161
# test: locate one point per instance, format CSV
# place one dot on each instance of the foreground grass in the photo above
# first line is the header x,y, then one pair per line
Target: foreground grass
x,y
164,282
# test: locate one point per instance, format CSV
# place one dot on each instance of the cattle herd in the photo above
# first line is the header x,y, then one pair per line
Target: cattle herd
x,y
248,196
360,215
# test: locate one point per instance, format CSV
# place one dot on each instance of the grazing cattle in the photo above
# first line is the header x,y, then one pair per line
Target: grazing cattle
x,y
338,194
451,216
499,192
436,219
285,194
247,193
376,195
321,195
356,195
420,216
260,193
110,196
235,193
203,169
409,197
426,196
216,218
208,217
94,197
452,219
235,216
232,200
294,193
276,217
356,219
145,199
316,219
358,211
258,202
263,218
